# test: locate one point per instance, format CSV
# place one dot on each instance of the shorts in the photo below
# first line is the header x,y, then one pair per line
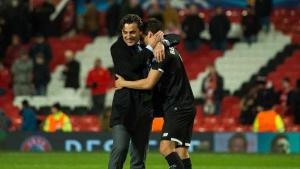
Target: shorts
x,y
178,126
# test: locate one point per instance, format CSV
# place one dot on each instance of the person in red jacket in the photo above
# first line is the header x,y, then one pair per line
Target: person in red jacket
x,y
98,80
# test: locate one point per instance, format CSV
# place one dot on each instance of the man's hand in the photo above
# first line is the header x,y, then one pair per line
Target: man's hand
x,y
157,37
118,82
159,52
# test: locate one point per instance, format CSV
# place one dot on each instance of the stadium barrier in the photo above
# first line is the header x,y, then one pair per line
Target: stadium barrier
x,y
201,142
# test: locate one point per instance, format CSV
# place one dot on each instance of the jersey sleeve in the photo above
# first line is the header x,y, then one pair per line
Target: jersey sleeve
x,y
171,39
158,66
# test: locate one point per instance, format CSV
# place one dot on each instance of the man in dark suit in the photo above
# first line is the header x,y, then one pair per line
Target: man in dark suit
x,y
172,89
131,116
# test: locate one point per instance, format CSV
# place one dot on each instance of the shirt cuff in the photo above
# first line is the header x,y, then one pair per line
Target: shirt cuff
x,y
161,70
150,48
166,42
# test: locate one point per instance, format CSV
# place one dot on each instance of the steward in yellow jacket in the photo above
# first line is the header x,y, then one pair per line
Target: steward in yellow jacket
x,y
57,121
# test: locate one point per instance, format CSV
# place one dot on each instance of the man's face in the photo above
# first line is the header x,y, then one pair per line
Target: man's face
x,y
285,84
54,110
98,63
211,70
131,34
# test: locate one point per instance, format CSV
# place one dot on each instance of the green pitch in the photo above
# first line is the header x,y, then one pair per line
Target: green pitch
x,y
154,161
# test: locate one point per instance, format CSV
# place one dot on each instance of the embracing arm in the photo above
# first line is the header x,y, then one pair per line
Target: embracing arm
x,y
171,39
142,84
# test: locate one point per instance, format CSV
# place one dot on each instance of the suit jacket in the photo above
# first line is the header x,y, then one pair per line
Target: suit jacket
x,y
127,103
130,105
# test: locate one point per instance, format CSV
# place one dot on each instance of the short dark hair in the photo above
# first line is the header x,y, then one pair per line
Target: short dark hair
x,y
25,103
57,106
152,25
131,18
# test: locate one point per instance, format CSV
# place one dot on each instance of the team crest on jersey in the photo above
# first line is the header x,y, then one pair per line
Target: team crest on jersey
x,y
172,50
37,144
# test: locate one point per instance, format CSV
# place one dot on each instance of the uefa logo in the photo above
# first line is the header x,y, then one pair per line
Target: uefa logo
x,y
36,144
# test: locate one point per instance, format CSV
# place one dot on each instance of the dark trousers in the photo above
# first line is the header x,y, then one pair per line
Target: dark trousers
x,y
265,23
138,140
98,103
192,45
219,44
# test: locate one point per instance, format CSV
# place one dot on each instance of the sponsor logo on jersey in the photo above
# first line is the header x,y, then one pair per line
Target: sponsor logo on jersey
x,y
172,50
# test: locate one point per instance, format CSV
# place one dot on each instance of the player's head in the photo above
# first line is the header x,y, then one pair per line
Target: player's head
x,y
237,143
131,29
151,27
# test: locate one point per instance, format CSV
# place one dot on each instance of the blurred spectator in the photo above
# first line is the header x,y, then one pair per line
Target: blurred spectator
x,y
5,79
250,103
5,122
286,95
22,75
296,103
57,120
263,9
41,75
71,70
248,107
40,45
68,21
157,124
192,26
250,26
219,26
155,11
18,19
97,80
112,18
212,89
266,91
237,143
171,17
131,7
280,144
41,19
91,20
4,41
268,120
251,3
29,121
13,51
